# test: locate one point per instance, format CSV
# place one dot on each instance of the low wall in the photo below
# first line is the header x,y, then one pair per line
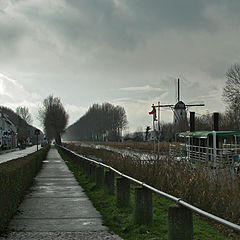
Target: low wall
x,y
15,177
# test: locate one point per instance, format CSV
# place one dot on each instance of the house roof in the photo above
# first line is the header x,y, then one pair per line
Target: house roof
x,y
205,134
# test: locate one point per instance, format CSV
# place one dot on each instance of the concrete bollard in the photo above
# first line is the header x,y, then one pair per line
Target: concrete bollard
x,y
99,176
143,212
109,182
180,223
123,192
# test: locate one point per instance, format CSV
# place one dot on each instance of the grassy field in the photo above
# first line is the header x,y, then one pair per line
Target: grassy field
x,y
120,220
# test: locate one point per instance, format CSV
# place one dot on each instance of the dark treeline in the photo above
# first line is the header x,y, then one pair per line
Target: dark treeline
x,y
103,122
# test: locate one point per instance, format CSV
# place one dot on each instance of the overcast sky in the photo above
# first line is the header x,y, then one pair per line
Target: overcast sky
x,y
126,52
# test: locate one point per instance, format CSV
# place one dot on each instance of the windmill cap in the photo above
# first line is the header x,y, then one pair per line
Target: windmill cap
x,y
180,105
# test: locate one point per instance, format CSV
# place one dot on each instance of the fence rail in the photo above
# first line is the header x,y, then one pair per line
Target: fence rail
x,y
179,201
228,156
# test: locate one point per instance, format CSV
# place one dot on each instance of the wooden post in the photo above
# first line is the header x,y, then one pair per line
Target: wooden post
x,y
180,224
83,166
123,192
109,182
99,175
192,121
143,213
88,168
214,149
216,121
81,163
216,126
93,172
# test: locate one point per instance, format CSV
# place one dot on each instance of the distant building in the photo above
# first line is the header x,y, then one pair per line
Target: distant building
x,y
8,133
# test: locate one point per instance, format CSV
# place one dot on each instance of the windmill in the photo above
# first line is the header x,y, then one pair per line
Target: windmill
x,y
180,108
179,112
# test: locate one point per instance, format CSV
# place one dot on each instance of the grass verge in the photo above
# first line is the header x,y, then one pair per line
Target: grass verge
x,y
120,220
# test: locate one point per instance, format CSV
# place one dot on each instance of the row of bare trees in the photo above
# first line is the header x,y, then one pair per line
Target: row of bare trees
x,y
103,122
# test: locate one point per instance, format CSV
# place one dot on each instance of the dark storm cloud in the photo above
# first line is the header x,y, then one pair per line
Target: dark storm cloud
x,y
11,32
119,24
120,49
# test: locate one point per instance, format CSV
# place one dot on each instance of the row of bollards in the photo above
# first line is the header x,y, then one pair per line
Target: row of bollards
x,y
180,223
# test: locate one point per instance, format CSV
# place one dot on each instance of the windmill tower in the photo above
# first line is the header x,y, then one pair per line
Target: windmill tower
x,y
180,108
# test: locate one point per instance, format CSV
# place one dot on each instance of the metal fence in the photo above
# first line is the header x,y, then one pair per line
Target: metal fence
x,y
228,156
179,201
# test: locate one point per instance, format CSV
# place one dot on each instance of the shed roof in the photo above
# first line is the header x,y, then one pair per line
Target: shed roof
x,y
205,134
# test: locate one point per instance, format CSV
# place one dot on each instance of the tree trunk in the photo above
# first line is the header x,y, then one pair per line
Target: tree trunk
x,y
58,139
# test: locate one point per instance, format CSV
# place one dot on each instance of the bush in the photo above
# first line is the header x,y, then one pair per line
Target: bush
x,y
15,177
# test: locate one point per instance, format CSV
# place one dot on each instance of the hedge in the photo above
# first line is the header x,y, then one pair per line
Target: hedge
x,y
16,176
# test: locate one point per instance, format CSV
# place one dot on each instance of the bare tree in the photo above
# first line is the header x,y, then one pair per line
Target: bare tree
x,y
24,113
54,118
231,91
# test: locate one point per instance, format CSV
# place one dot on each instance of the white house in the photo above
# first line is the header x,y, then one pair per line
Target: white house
x,y
8,133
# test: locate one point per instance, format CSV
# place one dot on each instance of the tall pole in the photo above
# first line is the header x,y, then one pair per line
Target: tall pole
x,y
214,149
154,137
158,127
192,121
216,126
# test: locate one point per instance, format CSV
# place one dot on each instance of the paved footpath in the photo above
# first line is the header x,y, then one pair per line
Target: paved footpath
x,y
57,208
